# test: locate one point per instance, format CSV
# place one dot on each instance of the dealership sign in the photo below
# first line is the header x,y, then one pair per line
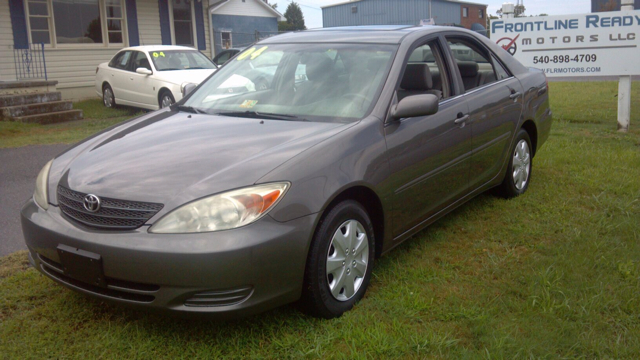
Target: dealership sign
x,y
598,44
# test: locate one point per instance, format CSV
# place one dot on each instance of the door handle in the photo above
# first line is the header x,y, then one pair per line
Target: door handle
x,y
461,120
515,95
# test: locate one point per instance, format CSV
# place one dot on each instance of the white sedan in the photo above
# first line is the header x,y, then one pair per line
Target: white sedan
x,y
150,77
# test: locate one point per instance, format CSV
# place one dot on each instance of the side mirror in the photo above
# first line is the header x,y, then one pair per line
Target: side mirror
x,y
144,71
187,89
415,105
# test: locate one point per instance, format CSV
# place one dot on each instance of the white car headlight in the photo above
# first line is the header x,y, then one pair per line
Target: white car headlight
x,y
42,182
224,211
183,85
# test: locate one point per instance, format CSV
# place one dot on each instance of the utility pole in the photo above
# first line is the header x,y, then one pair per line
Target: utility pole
x,y
624,88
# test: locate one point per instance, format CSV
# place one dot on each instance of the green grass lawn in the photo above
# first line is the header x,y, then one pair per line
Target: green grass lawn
x,y
96,118
552,274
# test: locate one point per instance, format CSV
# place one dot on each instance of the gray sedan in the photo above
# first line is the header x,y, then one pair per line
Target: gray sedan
x,y
241,198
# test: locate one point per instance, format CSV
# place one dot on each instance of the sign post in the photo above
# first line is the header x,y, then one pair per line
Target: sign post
x,y
624,89
582,45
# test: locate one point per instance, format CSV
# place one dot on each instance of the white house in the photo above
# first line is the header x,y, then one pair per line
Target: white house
x,y
80,34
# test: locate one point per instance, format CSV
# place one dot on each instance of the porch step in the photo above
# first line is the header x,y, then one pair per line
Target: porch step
x,y
34,109
50,118
26,87
25,99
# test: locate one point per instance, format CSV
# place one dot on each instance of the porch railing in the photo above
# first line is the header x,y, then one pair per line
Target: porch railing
x,y
30,62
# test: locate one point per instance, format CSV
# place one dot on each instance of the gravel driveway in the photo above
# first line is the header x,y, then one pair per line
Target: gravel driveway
x,y
19,168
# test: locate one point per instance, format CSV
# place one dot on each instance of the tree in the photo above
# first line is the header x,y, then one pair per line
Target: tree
x,y
274,6
519,10
295,19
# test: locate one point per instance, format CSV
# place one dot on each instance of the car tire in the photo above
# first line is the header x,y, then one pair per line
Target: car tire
x,y
330,271
518,176
108,98
166,99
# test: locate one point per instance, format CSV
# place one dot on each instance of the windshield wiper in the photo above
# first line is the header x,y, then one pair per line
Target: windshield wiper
x,y
190,109
261,115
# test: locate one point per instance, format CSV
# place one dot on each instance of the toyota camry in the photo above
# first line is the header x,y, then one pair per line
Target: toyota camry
x,y
241,198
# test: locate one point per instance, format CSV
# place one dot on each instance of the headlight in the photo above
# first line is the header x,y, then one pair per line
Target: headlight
x,y
42,182
223,211
183,85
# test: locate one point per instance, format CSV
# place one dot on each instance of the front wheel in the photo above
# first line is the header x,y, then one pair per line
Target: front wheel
x,y
166,99
340,261
518,176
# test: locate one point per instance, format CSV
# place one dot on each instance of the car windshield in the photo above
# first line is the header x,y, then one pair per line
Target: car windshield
x,y
315,82
166,60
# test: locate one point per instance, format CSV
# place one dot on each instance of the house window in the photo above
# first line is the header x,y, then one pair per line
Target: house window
x,y
465,12
183,23
114,21
481,14
38,13
226,40
77,21
62,22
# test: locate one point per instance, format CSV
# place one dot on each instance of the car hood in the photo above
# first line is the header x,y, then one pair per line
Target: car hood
x,y
181,76
175,157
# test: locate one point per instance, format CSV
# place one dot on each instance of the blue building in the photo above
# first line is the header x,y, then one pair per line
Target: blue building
x,y
239,23
404,12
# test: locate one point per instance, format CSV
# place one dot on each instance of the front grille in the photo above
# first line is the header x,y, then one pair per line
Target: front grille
x,y
113,213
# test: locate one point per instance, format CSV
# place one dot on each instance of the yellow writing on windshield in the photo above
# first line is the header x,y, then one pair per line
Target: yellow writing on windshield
x,y
257,53
245,54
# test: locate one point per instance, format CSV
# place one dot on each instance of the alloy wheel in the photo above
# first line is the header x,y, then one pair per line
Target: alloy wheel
x,y
521,164
166,101
107,97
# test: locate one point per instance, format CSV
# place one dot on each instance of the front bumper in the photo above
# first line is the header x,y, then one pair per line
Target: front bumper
x,y
232,273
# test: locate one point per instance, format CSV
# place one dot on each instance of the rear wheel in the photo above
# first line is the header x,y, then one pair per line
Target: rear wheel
x,y
340,261
518,176
108,99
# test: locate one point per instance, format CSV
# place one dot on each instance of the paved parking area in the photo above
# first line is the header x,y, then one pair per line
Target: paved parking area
x,y
19,168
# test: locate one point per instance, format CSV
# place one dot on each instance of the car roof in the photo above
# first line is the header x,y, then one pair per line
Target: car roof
x,y
158,48
372,34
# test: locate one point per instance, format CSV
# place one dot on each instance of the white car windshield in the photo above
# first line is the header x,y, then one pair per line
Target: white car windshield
x,y
180,60
316,82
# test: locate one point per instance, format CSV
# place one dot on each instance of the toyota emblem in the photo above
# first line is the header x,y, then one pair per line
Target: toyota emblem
x,y
91,203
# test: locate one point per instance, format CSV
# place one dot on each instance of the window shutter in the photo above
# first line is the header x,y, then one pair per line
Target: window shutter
x,y
165,26
18,24
202,45
132,22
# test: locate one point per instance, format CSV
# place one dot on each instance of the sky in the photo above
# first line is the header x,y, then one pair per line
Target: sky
x,y
313,13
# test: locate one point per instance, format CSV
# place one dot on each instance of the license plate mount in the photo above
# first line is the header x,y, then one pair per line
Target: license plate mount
x,y
82,265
